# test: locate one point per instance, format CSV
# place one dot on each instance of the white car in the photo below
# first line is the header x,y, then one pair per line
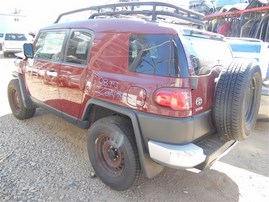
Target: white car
x,y
13,43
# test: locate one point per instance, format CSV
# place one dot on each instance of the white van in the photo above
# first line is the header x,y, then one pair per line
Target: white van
x,y
253,48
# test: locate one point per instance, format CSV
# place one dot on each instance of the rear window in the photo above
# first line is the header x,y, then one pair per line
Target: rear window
x,y
15,37
206,53
154,54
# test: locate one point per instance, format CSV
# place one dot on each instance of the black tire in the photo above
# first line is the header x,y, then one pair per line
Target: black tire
x,y
237,99
5,54
113,152
16,103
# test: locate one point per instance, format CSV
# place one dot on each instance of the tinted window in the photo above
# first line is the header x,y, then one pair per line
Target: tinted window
x,y
1,35
15,37
153,54
78,47
49,45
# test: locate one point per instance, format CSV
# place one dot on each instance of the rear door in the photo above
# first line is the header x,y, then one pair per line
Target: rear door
x,y
43,74
73,71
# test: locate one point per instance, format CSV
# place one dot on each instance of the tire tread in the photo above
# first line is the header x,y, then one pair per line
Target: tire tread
x,y
228,106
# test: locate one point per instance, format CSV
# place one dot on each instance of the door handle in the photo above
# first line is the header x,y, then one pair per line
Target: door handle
x,y
52,73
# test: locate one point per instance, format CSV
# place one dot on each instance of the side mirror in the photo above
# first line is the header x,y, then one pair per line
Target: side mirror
x,y
28,50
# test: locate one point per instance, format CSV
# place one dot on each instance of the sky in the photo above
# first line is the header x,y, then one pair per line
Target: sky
x,y
44,12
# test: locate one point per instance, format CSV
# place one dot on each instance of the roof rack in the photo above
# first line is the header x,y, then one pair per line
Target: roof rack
x,y
158,10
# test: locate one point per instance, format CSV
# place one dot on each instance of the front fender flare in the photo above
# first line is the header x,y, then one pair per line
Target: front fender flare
x,y
27,102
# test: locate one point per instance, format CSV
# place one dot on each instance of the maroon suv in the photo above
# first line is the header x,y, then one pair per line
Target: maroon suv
x,y
152,92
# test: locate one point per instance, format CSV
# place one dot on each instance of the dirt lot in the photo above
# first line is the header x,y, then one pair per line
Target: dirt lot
x,y
45,159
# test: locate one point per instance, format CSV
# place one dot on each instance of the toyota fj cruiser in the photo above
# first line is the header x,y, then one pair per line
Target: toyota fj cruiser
x,y
155,91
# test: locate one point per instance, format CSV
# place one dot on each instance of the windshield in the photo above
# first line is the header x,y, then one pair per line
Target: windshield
x,y
207,53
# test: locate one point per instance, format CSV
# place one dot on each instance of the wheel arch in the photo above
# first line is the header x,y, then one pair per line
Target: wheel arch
x,y
149,167
27,102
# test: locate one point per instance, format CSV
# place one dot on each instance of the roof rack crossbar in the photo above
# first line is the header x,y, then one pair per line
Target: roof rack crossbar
x,y
130,8
148,13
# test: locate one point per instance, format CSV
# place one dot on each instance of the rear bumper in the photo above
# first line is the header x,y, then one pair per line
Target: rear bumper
x,y
176,156
199,155
11,50
178,131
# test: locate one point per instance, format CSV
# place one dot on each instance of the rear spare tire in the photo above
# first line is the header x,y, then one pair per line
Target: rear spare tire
x,y
237,99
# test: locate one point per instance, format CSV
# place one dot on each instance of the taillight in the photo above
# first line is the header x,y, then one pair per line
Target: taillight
x,y
177,99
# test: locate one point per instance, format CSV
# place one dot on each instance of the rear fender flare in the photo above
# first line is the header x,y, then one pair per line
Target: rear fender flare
x,y
149,167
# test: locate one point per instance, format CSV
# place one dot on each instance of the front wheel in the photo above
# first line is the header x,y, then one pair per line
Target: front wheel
x,y
113,152
16,102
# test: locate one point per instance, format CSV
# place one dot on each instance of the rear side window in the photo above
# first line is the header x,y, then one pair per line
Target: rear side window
x,y
153,54
15,37
78,47
50,44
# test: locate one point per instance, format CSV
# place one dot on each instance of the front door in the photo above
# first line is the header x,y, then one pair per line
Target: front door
x,y
42,75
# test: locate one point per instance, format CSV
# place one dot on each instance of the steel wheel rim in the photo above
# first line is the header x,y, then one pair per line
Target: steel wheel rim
x,y
109,155
15,99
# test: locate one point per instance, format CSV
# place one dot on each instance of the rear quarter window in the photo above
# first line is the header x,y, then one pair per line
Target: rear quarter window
x,y
153,54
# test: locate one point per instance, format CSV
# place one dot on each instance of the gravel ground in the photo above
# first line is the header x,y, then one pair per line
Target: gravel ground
x,y
45,159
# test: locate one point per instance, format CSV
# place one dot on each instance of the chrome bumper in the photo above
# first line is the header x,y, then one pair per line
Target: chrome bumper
x,y
176,156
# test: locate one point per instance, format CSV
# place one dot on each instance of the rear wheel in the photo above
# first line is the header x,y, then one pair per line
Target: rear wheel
x,y
16,102
113,152
237,99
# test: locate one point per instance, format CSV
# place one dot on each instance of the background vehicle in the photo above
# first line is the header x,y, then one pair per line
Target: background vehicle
x,y
253,48
1,40
206,7
13,42
146,90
